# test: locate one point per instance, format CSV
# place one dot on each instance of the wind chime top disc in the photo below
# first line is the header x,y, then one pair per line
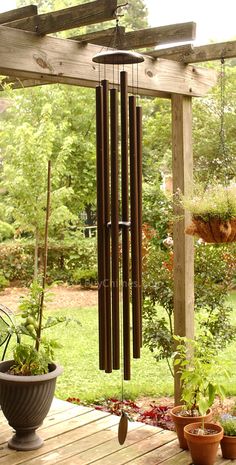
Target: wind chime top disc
x,y
118,57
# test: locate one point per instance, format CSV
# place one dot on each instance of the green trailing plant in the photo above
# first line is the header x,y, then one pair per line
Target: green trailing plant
x,y
215,201
199,370
228,422
3,282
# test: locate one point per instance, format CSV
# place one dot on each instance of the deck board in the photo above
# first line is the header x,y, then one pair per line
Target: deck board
x,y
76,435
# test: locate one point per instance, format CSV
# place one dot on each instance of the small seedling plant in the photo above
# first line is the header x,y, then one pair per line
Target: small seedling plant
x,y
197,363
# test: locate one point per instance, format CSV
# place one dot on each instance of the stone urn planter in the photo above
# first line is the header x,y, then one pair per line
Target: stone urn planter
x,y
181,421
203,447
25,402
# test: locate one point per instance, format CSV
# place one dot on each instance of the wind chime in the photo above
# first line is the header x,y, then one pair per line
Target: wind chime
x,y
119,210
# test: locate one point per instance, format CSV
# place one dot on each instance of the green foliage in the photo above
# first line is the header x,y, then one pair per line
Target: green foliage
x,y
213,279
199,368
157,210
3,282
229,424
33,356
6,231
64,257
217,201
85,278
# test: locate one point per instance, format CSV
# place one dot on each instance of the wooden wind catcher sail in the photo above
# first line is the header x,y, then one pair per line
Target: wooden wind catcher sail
x,y
119,217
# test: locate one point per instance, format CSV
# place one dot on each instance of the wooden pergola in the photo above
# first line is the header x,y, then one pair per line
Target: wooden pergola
x,y
31,56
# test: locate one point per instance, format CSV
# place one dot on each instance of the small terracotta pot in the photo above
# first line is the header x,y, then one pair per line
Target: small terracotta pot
x,y
181,421
203,448
228,447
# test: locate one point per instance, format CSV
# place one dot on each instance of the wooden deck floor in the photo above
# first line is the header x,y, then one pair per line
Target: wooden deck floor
x,y
76,435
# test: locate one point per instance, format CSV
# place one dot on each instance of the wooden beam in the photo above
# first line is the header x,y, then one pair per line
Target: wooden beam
x,y
177,53
61,60
99,37
68,18
211,52
190,54
18,13
150,37
183,244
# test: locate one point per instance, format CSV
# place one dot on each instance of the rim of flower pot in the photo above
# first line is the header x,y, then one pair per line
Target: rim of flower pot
x,y
214,437
177,408
55,370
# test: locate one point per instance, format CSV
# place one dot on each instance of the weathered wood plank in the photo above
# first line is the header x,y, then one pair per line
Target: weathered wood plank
x,y
190,54
183,244
177,53
18,13
146,37
211,52
62,447
59,60
69,18
126,454
159,455
98,37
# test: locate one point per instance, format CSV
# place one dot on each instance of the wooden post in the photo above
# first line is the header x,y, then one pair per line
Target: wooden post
x,y
183,244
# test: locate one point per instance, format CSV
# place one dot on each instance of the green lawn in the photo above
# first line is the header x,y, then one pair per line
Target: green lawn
x,y
82,378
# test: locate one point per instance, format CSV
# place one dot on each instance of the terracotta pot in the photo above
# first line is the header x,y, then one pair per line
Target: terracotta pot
x,y
203,448
181,421
228,447
25,402
214,230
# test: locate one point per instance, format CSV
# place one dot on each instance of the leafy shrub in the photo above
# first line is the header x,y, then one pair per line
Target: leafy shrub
x,y
85,278
65,257
213,280
6,231
3,282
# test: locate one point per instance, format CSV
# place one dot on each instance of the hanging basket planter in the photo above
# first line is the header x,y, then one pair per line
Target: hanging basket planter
x,y
215,230
213,213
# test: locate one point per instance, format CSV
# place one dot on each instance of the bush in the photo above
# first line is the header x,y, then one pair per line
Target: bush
x,y
17,259
213,280
85,278
6,231
3,282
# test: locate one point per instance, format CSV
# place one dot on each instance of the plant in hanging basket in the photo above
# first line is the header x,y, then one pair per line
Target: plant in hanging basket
x,y
213,213
197,364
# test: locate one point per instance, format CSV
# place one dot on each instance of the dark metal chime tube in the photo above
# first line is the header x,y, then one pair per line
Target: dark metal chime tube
x,y
139,168
107,278
134,228
115,228
125,219
100,229
108,214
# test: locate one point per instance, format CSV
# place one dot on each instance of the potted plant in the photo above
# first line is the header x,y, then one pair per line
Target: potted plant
x,y
228,443
27,382
213,213
196,362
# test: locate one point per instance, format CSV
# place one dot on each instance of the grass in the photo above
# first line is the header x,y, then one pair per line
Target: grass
x,y
82,378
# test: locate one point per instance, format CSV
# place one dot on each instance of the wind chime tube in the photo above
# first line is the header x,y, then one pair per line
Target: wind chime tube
x,y
134,228
115,228
125,219
100,228
139,167
107,279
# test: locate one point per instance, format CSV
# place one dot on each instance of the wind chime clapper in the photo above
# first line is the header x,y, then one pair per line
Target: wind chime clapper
x,y
114,168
